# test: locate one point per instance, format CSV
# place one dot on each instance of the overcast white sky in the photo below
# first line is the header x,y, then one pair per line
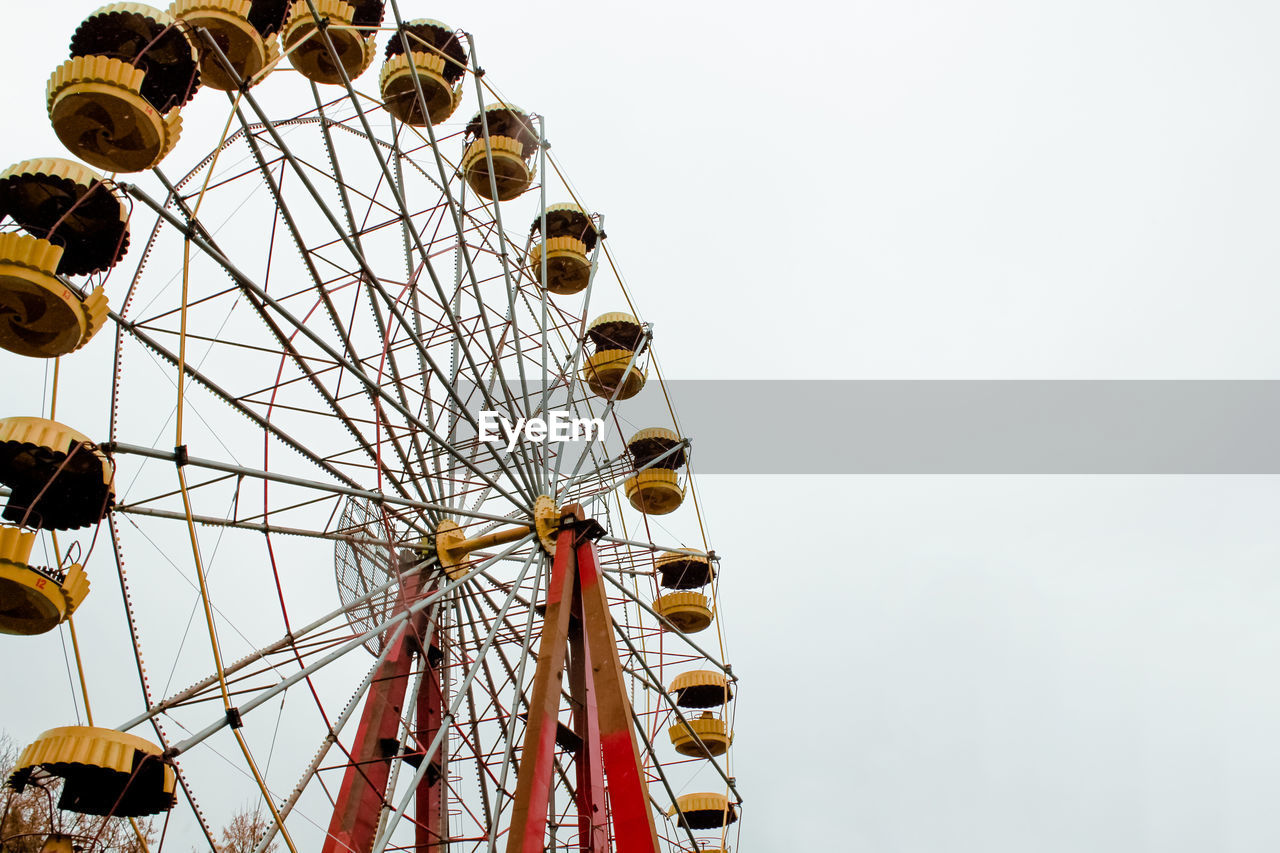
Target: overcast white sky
x,y
929,189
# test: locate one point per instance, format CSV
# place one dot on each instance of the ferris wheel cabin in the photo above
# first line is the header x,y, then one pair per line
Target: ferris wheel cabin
x,y
688,610
115,103
58,478
350,28
571,234
613,371
76,225
243,30
658,454
701,737
34,599
501,135
433,61
104,772
704,811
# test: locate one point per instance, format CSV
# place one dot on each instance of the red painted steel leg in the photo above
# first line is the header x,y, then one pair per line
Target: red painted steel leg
x,y
593,821
533,784
430,831
633,826
364,785
602,714
355,816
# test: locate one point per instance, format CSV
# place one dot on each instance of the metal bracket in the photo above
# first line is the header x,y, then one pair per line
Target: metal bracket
x,y
584,530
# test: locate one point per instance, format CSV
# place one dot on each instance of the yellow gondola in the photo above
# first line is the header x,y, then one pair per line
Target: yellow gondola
x,y
34,600
511,145
571,234
438,60
104,772
354,48
115,103
245,32
58,478
614,371
656,489
701,737
704,811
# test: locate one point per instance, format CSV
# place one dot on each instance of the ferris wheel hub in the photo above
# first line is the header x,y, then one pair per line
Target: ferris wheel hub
x,y
453,547
546,521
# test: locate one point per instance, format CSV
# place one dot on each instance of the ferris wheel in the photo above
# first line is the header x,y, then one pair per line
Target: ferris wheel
x,y
396,565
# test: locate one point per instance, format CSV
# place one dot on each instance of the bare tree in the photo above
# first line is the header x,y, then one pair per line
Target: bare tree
x,y
244,831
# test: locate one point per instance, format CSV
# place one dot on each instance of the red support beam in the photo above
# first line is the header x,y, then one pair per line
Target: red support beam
x,y
364,784
593,820
602,713
633,827
430,832
533,784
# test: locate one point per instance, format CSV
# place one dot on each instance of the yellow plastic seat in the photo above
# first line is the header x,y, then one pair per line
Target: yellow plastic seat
x,y
104,772
684,571
40,316
704,811
571,234
568,270
615,337
512,143
701,688
115,102
34,600
690,612
71,206
98,112
709,729
655,490
606,372
231,24
58,478
440,61
306,48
